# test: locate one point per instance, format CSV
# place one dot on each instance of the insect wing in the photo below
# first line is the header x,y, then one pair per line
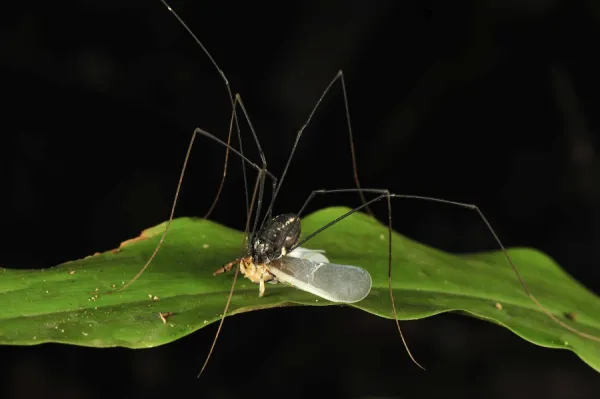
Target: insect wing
x,y
315,255
336,283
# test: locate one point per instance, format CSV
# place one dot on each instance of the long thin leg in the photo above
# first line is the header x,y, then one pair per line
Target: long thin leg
x,y
339,76
232,101
260,177
262,172
351,137
238,102
212,347
383,193
222,183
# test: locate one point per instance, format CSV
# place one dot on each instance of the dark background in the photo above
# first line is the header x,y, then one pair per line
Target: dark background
x,y
492,103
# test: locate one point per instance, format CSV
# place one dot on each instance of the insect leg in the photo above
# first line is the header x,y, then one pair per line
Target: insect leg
x,y
226,268
261,289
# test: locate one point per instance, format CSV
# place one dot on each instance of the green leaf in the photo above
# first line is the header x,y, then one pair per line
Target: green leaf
x,y
67,303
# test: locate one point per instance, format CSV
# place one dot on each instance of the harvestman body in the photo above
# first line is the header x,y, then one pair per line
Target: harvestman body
x,y
274,253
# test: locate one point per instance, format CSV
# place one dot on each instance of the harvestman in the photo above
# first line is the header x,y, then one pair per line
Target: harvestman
x,y
278,236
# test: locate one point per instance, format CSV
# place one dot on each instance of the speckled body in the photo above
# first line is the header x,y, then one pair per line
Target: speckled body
x,y
275,238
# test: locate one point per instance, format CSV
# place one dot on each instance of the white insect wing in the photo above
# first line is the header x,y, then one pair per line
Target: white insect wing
x,y
315,255
310,271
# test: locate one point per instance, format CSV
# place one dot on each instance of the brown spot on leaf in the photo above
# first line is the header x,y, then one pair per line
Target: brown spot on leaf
x,y
164,316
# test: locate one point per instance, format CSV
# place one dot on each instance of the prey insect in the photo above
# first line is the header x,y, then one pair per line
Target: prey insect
x,y
270,251
273,256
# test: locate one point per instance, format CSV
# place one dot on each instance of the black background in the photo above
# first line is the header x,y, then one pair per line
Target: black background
x,y
492,103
